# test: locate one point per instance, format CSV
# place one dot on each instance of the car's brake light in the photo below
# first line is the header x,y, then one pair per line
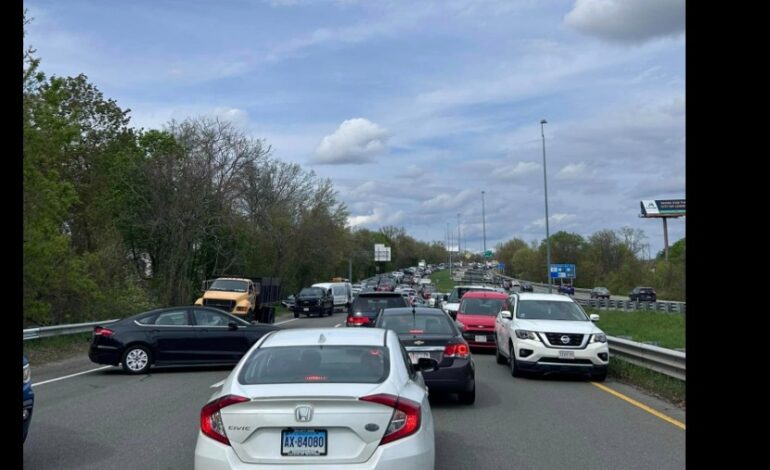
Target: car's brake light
x,y
362,320
101,331
211,418
406,416
457,350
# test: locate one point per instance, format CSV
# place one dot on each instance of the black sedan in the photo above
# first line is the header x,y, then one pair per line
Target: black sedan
x,y
188,335
431,333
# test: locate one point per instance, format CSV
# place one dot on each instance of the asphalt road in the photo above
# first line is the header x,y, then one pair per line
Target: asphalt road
x,y
106,419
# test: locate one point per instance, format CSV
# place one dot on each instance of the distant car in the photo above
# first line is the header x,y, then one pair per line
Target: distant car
x,y
600,293
643,294
327,398
28,397
526,287
288,302
185,335
550,333
367,305
431,333
568,289
314,300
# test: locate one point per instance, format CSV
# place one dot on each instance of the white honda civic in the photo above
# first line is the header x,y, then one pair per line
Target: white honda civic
x,y
321,398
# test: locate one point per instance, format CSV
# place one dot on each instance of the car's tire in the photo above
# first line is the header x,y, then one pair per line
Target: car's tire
x,y
137,359
468,398
499,357
296,314
599,376
515,371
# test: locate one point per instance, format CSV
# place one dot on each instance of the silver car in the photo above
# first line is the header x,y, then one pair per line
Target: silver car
x,y
321,398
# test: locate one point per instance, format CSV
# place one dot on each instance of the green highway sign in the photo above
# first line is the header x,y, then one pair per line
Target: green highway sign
x,y
488,254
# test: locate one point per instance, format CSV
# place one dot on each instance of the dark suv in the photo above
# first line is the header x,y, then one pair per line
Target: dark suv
x,y
367,305
643,294
312,300
568,289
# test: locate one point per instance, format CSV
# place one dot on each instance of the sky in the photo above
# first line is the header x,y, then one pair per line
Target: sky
x,y
413,108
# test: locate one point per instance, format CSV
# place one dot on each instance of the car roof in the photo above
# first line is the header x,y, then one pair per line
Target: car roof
x,y
484,294
332,337
379,294
538,296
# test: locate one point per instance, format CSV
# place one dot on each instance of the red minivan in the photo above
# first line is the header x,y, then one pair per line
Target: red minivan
x,y
476,316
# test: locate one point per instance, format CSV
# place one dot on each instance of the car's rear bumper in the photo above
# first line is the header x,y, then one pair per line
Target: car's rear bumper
x,y
102,355
459,377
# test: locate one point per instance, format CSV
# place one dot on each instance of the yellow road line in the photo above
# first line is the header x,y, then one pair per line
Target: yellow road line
x,y
646,408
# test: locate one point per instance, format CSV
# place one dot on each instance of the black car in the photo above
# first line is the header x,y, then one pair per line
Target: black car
x,y
643,294
187,335
600,293
314,300
431,333
364,309
526,287
568,289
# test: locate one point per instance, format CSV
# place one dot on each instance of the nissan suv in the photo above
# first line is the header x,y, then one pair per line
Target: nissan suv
x,y
550,333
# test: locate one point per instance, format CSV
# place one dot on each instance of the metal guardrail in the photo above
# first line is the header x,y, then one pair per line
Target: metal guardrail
x,y
45,331
666,361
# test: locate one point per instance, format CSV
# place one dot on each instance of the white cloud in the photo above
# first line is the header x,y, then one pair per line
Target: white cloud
x,y
380,216
237,117
561,220
573,171
627,21
451,201
356,141
517,170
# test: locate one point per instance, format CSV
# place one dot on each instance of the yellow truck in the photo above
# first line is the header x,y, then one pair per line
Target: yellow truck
x,y
250,298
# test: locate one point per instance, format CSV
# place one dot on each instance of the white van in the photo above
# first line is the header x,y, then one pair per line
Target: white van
x,y
342,293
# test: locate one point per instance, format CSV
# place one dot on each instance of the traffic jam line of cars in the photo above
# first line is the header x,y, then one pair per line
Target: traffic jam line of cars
x,y
351,397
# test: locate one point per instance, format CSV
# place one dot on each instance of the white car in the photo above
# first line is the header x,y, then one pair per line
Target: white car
x,y
550,333
321,398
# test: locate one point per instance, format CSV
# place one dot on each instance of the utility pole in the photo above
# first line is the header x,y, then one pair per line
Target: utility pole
x,y
484,221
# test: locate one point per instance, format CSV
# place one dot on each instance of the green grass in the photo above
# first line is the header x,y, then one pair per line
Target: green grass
x,y
658,384
442,281
55,348
664,329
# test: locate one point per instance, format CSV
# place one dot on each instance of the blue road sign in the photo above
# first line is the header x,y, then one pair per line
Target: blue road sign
x,y
562,270
501,266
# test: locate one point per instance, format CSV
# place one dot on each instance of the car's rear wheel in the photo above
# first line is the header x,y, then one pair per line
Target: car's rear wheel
x,y
468,398
296,314
515,372
137,359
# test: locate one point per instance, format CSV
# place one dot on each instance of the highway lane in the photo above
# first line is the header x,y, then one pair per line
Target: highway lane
x,y
106,419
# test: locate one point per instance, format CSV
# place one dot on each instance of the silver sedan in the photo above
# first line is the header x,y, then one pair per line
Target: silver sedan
x,y
321,398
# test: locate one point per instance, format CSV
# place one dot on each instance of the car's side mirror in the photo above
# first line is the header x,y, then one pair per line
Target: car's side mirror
x,y
426,363
232,326
594,317
506,314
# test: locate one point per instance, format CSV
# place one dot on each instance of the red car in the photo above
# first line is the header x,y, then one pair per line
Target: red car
x,y
476,316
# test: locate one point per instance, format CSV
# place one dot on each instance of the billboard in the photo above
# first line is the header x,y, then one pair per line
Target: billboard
x,y
381,252
663,208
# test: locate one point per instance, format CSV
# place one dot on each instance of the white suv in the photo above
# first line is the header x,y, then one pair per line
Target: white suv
x,y
550,333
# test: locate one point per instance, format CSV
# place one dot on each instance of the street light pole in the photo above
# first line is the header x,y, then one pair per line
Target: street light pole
x,y
547,230
484,221
458,235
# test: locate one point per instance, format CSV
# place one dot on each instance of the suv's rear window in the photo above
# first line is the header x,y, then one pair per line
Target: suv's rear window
x,y
316,364
406,323
374,304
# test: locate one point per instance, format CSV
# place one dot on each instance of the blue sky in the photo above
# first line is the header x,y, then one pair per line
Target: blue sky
x,y
412,108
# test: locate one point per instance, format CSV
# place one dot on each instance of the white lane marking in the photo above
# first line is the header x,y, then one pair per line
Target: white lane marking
x,y
338,325
69,376
285,321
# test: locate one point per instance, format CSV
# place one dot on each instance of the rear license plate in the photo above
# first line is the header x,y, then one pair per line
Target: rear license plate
x,y
481,338
304,442
415,356
566,354
305,309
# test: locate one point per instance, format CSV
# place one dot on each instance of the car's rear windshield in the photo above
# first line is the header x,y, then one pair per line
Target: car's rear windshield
x,y
647,289
374,304
550,310
406,323
459,292
316,364
489,307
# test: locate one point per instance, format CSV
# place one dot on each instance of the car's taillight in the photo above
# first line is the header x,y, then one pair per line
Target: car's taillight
x,y
101,331
211,418
406,416
457,350
362,320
